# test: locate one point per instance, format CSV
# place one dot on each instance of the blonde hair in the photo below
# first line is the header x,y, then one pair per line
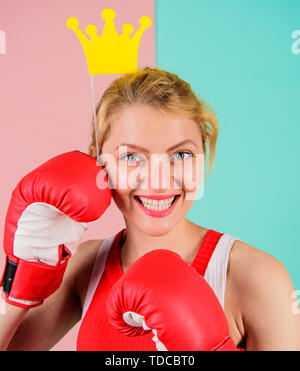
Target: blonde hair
x,y
159,89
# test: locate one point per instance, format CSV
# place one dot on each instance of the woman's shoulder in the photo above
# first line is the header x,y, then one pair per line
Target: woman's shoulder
x,y
260,291
81,265
257,280
86,252
250,266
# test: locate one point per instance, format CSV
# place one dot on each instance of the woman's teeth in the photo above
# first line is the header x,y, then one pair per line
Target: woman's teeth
x,y
156,204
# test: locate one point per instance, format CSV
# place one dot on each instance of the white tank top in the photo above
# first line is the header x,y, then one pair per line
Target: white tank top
x,y
215,273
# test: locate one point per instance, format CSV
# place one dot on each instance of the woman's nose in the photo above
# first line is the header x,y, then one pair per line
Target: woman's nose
x,y
159,174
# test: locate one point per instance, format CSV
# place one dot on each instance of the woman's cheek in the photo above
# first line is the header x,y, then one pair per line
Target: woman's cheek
x,y
133,176
108,166
190,173
120,174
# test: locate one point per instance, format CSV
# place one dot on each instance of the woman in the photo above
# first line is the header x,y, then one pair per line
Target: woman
x,y
155,112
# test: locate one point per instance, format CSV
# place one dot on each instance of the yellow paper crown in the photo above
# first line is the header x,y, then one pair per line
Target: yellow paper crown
x,y
110,53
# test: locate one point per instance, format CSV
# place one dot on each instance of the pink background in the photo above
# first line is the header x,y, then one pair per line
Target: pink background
x,y
45,97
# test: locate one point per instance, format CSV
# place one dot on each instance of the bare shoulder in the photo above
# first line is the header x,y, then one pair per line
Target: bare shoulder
x,y
81,266
253,269
261,289
86,252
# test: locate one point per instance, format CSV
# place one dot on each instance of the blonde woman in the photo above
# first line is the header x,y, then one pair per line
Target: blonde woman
x,y
144,114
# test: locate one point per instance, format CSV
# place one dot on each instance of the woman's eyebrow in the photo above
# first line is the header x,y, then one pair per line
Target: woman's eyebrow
x,y
139,148
182,143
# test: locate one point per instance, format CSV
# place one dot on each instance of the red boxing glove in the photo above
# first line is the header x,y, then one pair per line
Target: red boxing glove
x,y
160,292
50,207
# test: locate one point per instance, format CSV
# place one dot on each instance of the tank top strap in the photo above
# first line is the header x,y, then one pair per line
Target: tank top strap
x,y
107,256
113,264
206,250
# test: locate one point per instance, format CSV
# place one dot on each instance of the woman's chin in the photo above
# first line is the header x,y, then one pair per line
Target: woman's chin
x,y
155,228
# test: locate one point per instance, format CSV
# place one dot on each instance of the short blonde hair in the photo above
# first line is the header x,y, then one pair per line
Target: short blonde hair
x,y
159,89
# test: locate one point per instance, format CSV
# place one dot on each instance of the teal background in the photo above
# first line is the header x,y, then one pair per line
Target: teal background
x,y
237,56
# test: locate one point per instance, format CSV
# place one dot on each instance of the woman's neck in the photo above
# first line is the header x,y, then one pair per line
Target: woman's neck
x,y
184,239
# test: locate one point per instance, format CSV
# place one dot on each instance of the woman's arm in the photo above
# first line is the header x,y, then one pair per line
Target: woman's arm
x,y
10,319
42,327
265,294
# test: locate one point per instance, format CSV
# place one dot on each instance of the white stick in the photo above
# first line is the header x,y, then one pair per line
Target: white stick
x,y
95,116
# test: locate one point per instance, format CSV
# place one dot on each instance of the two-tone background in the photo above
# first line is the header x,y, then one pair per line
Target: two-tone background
x,y
243,57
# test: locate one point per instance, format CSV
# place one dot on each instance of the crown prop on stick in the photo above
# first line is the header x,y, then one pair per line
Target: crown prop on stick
x,y
109,53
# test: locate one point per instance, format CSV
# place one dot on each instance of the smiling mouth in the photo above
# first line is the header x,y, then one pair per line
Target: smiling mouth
x,y
156,205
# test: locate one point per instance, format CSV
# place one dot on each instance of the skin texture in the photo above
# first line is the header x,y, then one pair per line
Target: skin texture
x,y
258,295
145,233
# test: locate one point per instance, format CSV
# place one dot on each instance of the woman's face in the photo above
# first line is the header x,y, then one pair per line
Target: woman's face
x,y
155,164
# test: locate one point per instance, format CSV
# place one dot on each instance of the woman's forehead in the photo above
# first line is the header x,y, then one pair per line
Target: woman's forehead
x,y
150,127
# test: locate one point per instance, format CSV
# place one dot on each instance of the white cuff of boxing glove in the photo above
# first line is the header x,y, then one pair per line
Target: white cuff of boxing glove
x,y
41,229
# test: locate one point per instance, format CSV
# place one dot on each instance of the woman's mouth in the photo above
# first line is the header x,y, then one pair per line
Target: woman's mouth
x,y
157,207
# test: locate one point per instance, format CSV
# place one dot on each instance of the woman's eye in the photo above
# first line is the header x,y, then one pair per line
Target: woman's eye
x,y
181,155
131,157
